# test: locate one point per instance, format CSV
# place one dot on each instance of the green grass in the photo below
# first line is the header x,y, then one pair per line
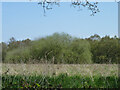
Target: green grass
x,y
61,81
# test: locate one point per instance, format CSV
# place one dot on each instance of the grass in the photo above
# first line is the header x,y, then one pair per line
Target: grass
x,y
71,69
60,75
60,81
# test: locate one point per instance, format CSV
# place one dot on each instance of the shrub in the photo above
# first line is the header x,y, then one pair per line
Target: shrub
x,y
18,55
61,48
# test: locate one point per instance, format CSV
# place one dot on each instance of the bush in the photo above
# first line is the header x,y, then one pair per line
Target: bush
x,y
61,48
58,48
106,51
3,50
18,55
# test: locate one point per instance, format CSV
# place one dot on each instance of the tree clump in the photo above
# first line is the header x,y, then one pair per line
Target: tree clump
x,y
61,48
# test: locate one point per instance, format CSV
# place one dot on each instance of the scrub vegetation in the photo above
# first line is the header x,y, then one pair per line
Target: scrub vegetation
x,y
61,48
61,61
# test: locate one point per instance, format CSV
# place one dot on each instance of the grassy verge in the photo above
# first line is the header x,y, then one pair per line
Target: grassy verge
x,y
61,81
71,69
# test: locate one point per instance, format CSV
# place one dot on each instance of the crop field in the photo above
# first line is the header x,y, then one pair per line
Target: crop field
x,y
60,75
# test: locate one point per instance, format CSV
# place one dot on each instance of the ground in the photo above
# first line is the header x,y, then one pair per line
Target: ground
x,y
56,69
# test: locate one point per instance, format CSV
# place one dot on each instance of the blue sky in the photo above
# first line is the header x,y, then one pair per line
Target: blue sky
x,y
26,20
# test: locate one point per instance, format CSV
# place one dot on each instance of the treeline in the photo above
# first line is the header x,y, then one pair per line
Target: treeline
x,y
62,48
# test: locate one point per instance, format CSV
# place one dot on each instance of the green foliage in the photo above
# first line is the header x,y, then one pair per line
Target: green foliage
x,y
18,55
81,51
48,48
105,50
61,81
61,48
13,44
0,52
4,50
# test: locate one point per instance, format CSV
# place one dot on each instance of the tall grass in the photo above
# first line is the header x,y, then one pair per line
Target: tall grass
x,y
61,81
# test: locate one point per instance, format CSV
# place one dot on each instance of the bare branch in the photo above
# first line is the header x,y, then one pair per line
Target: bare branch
x,y
92,6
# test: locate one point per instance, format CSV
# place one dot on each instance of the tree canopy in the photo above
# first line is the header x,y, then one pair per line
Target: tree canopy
x,y
63,48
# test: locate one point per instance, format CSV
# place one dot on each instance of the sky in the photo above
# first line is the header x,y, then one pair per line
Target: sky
x,y
26,20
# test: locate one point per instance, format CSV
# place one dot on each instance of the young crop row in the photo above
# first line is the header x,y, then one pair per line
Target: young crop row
x,y
61,81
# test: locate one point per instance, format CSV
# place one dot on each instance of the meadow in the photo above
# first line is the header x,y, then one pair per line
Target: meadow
x,y
56,69
60,76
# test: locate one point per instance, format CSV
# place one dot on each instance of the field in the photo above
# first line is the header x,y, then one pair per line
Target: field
x,y
56,69
60,75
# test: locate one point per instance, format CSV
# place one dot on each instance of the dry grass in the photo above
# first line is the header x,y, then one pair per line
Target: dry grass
x,y
56,69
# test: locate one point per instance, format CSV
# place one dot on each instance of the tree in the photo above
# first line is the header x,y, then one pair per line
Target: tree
x,y
63,48
95,37
4,51
12,44
106,50
92,6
